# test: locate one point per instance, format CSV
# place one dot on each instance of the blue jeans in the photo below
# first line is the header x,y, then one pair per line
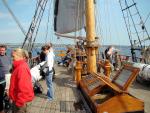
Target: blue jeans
x,y
50,92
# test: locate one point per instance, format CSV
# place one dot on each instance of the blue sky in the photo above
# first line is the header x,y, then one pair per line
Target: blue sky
x,y
112,28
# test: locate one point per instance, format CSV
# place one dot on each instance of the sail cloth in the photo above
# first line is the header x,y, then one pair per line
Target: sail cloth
x,y
69,36
69,15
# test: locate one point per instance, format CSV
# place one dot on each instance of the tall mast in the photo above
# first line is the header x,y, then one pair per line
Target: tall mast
x,y
90,36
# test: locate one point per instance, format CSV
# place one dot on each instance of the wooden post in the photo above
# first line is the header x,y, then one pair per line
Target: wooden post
x,y
90,33
78,69
107,68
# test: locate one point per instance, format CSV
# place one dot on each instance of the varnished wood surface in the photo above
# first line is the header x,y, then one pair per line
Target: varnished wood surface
x,y
128,102
141,92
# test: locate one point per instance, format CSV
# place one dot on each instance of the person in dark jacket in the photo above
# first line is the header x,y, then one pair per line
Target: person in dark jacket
x,y
49,74
4,69
109,53
21,89
42,54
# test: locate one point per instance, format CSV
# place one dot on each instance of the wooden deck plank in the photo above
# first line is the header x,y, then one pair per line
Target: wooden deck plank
x,y
66,95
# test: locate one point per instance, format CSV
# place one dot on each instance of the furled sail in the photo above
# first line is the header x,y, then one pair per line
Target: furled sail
x,y
70,36
69,15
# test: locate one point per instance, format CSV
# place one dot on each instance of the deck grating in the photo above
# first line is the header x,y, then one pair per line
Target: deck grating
x,y
67,106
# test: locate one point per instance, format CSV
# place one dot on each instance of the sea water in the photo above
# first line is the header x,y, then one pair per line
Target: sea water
x,y
123,50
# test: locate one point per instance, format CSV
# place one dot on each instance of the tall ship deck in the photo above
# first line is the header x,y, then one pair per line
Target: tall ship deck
x,y
68,99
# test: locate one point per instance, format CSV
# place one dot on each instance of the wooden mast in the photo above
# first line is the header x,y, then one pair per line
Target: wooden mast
x,y
90,36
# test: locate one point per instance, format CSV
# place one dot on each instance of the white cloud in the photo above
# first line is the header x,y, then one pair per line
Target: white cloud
x,y
4,15
9,31
11,35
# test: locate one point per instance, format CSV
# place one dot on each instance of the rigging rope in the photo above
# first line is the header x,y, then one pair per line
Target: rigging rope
x,y
117,26
147,18
129,25
40,16
52,37
77,23
34,26
47,28
98,24
14,17
128,31
109,23
99,30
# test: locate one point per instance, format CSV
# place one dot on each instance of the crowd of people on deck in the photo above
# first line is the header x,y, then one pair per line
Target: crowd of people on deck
x,y
73,54
112,55
67,58
19,88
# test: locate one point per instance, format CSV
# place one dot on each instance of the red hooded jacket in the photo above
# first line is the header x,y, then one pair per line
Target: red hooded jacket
x,y
21,89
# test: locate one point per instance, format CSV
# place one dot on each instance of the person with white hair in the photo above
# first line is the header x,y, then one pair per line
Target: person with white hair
x,y
21,89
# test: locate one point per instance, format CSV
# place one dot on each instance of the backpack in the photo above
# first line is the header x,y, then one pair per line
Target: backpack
x,y
44,70
38,89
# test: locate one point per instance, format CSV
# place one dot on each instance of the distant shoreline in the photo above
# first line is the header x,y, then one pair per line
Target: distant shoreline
x,y
41,44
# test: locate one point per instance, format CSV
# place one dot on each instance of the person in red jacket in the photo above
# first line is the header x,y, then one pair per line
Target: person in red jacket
x,y
21,89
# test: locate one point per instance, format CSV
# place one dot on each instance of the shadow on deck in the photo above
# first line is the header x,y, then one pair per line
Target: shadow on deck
x,y
67,98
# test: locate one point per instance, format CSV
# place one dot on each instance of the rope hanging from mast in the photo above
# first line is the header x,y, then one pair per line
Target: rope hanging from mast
x,y
78,23
135,26
147,18
48,19
14,17
34,26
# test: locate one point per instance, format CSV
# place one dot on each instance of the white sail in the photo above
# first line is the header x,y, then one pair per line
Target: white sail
x,y
69,15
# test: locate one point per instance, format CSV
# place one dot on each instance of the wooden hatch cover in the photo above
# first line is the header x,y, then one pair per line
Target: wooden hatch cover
x,y
122,80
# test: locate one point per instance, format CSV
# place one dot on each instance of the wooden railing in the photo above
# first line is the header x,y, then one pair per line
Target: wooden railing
x,y
123,58
129,58
34,61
